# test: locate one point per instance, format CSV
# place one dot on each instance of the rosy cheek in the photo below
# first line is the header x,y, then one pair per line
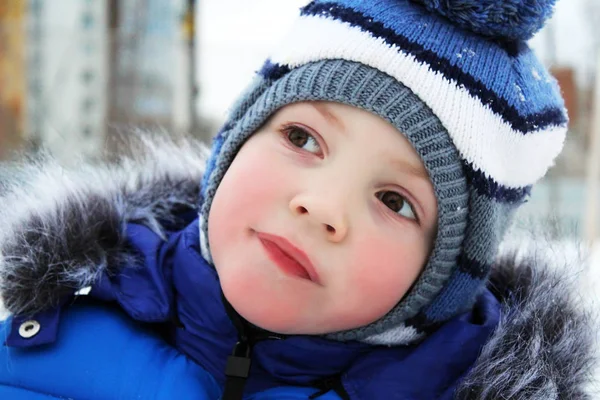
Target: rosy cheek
x,y
245,194
246,184
384,272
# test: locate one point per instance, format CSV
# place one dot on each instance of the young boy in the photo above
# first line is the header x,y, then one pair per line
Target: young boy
x,y
350,214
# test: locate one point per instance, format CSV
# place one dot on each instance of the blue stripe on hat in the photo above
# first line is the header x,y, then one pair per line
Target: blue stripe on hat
x,y
488,187
217,143
422,324
460,291
273,71
546,115
514,48
471,267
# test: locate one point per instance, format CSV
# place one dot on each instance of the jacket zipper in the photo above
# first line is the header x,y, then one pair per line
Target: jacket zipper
x,y
238,365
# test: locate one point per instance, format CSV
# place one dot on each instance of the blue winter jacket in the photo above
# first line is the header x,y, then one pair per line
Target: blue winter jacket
x,y
138,249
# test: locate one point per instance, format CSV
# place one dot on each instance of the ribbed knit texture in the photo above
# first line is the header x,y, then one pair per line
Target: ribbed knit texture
x,y
484,115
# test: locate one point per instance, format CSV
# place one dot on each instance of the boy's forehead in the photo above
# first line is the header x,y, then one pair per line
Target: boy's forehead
x,y
341,116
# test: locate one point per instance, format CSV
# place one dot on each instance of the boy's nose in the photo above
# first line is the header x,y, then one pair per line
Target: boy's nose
x,y
328,216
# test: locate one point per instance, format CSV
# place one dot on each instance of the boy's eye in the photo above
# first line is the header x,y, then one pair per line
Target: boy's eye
x,y
397,203
300,138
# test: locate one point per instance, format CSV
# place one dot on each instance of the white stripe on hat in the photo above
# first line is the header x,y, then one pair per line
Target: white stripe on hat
x,y
482,137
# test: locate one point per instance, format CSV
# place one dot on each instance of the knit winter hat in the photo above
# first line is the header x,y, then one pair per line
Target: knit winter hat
x,y
457,78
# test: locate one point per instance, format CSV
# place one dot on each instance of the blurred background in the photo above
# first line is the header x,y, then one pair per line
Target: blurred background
x,y
75,72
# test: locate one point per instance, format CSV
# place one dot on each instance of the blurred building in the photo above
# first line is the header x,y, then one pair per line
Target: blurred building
x,y
66,75
75,72
12,73
147,56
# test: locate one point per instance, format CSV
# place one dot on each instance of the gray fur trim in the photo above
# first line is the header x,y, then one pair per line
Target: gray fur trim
x,y
60,228
544,347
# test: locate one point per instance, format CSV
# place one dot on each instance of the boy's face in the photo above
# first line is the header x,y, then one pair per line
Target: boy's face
x,y
323,221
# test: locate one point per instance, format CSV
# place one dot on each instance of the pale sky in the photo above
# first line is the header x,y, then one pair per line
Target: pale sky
x,y
235,38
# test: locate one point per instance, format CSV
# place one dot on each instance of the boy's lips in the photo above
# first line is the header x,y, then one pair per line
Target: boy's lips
x,y
288,257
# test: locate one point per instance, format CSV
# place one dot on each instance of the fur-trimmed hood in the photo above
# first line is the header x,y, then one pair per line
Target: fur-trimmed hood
x,y
60,228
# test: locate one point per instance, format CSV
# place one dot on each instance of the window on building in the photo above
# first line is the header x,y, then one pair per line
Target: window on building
x,y
35,6
35,87
87,131
87,20
88,104
88,48
87,76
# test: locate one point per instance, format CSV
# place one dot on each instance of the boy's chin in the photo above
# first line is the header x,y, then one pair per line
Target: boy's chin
x,y
279,321
289,329
284,314
287,326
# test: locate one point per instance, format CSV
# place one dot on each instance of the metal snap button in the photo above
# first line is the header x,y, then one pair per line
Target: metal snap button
x,y
29,329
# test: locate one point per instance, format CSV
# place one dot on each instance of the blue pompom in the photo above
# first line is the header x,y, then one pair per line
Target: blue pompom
x,y
500,19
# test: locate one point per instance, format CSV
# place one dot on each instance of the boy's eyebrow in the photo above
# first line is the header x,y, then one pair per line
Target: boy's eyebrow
x,y
328,115
412,169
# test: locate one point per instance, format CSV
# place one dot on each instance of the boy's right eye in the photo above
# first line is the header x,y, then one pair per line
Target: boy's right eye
x,y
300,138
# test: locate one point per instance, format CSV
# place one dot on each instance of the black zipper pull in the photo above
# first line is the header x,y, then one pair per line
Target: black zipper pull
x,y
238,363
237,370
328,384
